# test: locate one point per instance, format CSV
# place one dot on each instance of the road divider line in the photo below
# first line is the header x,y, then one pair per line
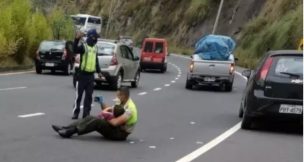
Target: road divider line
x,y
173,81
15,73
31,115
167,85
200,151
156,89
142,93
238,73
13,88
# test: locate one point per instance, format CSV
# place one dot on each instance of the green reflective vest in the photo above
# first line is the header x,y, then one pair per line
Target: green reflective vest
x,y
88,63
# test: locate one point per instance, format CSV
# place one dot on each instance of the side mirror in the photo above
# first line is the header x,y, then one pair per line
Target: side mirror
x,y
236,59
246,73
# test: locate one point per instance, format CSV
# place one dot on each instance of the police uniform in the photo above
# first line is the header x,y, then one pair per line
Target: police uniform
x,y
88,66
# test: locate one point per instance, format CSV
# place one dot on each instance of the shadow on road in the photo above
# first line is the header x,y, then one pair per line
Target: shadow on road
x,y
278,127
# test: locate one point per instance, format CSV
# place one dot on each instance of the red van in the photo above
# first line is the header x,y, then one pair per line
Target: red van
x,y
154,54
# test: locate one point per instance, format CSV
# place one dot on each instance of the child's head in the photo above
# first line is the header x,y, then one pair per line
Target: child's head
x,y
118,110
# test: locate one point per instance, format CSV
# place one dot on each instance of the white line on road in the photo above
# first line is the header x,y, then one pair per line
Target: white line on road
x,y
238,73
156,89
200,151
24,72
13,88
31,115
167,85
173,81
142,93
152,147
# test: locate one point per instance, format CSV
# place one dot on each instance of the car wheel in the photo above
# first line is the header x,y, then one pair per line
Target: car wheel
x,y
67,70
241,111
246,122
135,83
117,81
74,81
38,70
228,87
189,85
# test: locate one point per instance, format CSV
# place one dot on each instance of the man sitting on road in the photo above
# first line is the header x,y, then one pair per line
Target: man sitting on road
x,y
117,128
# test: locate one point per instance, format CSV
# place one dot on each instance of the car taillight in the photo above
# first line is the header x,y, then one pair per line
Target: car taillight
x,y
114,60
64,56
231,69
191,66
264,71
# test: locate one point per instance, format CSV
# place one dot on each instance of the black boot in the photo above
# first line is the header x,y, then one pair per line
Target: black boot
x,y
75,117
67,133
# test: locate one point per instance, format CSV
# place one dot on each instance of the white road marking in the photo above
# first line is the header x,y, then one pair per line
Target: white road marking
x,y
173,81
238,73
171,138
179,75
24,72
157,89
131,142
13,88
185,57
167,85
176,78
192,122
142,93
31,115
199,142
200,151
152,147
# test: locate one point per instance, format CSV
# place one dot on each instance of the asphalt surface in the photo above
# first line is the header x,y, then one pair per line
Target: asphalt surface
x,y
173,122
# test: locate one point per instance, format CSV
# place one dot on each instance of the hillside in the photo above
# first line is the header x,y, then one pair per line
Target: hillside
x,y
257,25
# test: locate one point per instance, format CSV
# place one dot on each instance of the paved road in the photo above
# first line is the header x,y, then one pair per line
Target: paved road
x,y
173,123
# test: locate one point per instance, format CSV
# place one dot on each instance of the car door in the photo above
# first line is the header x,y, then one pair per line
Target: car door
x,y
126,62
134,65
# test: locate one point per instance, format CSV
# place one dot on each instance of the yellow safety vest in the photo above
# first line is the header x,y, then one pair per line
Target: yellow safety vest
x,y
88,63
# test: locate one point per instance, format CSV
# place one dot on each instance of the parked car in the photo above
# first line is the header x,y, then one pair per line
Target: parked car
x,y
154,53
274,89
211,72
54,55
117,63
127,41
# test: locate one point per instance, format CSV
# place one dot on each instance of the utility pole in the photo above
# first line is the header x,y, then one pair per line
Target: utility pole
x,y
109,18
217,16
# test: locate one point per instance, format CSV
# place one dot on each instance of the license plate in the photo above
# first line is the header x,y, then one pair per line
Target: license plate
x,y
147,59
157,60
209,79
49,64
291,109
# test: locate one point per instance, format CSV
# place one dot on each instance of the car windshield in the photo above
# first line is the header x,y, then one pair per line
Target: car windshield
x,y
105,49
287,66
48,45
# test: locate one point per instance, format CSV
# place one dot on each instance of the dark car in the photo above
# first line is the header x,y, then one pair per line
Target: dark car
x,y
54,55
275,89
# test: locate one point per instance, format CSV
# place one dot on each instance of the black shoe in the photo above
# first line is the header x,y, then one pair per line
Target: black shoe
x,y
75,117
57,128
67,133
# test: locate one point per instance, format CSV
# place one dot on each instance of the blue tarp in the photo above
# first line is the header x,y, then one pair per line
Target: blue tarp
x,y
215,47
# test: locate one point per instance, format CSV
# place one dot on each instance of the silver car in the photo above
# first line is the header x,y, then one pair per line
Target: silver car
x,y
118,64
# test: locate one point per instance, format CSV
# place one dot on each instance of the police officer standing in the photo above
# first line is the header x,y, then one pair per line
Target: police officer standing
x,y
88,66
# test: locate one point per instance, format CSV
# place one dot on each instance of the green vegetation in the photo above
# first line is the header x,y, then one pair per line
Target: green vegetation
x,y
22,29
279,26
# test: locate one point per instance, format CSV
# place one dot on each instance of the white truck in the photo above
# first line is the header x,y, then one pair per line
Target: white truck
x,y
211,72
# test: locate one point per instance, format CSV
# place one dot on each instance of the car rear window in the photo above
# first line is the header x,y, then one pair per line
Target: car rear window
x,y
159,47
48,45
148,47
288,65
105,49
